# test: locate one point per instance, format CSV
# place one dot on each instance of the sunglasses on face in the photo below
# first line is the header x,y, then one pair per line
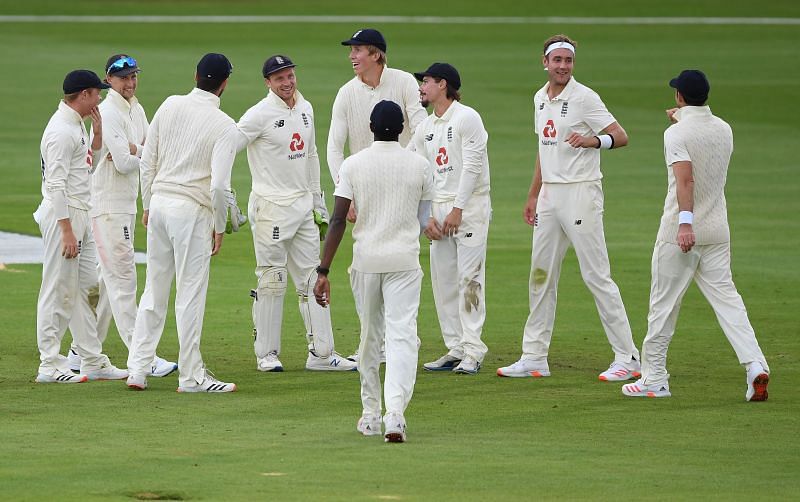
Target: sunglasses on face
x,y
122,63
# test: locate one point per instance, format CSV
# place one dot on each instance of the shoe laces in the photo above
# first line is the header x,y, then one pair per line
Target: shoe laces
x,y
209,375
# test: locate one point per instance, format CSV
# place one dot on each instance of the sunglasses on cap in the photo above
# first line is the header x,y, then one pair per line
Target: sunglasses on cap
x,y
121,64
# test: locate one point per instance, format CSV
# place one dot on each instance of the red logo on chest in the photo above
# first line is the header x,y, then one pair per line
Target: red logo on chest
x,y
442,158
549,130
297,143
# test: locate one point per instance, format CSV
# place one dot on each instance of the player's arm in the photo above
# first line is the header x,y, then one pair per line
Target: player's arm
x,y
148,167
473,148
322,289
609,134
97,130
313,158
684,188
337,135
116,141
222,157
58,152
529,213
249,127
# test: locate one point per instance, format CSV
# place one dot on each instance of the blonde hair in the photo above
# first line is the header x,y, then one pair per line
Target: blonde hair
x,y
382,58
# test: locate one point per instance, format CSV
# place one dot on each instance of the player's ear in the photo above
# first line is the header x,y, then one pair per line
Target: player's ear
x,y
544,62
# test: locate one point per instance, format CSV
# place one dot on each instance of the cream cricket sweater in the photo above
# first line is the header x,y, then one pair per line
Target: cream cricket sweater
x,y
386,182
189,152
707,142
353,105
115,182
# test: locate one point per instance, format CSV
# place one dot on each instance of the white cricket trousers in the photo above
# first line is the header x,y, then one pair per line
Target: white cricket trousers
x,y
572,213
64,295
113,235
179,240
387,303
458,277
672,273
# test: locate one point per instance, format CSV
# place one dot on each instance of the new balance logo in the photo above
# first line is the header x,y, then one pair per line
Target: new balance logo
x,y
469,234
428,137
279,123
541,106
578,222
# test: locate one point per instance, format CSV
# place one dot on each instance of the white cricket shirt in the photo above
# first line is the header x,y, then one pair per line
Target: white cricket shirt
x,y
455,145
281,148
66,156
577,109
706,141
386,182
353,105
115,183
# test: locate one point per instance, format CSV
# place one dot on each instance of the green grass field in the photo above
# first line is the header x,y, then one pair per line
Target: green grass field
x,y
291,436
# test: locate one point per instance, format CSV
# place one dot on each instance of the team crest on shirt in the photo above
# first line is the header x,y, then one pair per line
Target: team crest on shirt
x,y
450,133
564,109
305,119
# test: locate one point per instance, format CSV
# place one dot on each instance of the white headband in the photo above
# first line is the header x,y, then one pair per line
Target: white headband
x,y
559,45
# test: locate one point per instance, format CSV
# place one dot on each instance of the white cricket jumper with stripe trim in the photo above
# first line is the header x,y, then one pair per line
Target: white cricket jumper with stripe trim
x,y
455,145
185,169
66,161
569,211
706,141
284,166
387,183
115,188
352,108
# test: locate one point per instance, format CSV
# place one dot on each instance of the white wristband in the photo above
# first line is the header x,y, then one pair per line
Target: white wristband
x,y
685,217
606,141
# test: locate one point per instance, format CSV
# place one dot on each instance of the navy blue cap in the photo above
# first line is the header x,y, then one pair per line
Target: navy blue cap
x,y
442,70
276,63
367,36
214,66
387,116
692,84
78,80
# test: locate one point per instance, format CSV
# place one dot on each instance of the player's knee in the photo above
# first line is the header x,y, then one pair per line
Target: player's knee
x,y
272,281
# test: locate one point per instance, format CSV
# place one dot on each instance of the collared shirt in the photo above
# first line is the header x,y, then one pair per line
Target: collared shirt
x,y
386,183
281,148
66,156
706,141
189,152
353,105
115,181
577,109
455,146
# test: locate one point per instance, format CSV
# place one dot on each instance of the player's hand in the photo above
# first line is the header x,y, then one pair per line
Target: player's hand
x,y
685,237
451,222
433,231
671,115
529,212
97,121
575,140
322,290
216,243
145,217
69,245
132,148
351,213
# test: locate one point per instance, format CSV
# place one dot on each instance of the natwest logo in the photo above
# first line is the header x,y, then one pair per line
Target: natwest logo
x,y
297,143
549,130
442,157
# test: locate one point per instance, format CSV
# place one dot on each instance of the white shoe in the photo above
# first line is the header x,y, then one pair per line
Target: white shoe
x,y
209,384
162,367
444,363
137,382
61,377
333,362
757,381
395,427
270,363
619,372
525,368
107,372
640,389
369,425
468,366
354,357
74,360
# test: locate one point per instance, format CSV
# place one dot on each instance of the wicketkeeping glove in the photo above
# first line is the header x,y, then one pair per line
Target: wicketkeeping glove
x,y
321,216
235,217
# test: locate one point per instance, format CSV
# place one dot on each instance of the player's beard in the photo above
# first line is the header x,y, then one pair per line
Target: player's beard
x,y
424,102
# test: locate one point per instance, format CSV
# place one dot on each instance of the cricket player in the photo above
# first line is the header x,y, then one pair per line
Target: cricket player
x,y
114,188
565,207
281,150
693,242
374,81
185,173
388,183
454,142
68,269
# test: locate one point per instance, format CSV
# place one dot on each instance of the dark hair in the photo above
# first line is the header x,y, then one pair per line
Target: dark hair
x,y
693,101
452,92
211,85
386,135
